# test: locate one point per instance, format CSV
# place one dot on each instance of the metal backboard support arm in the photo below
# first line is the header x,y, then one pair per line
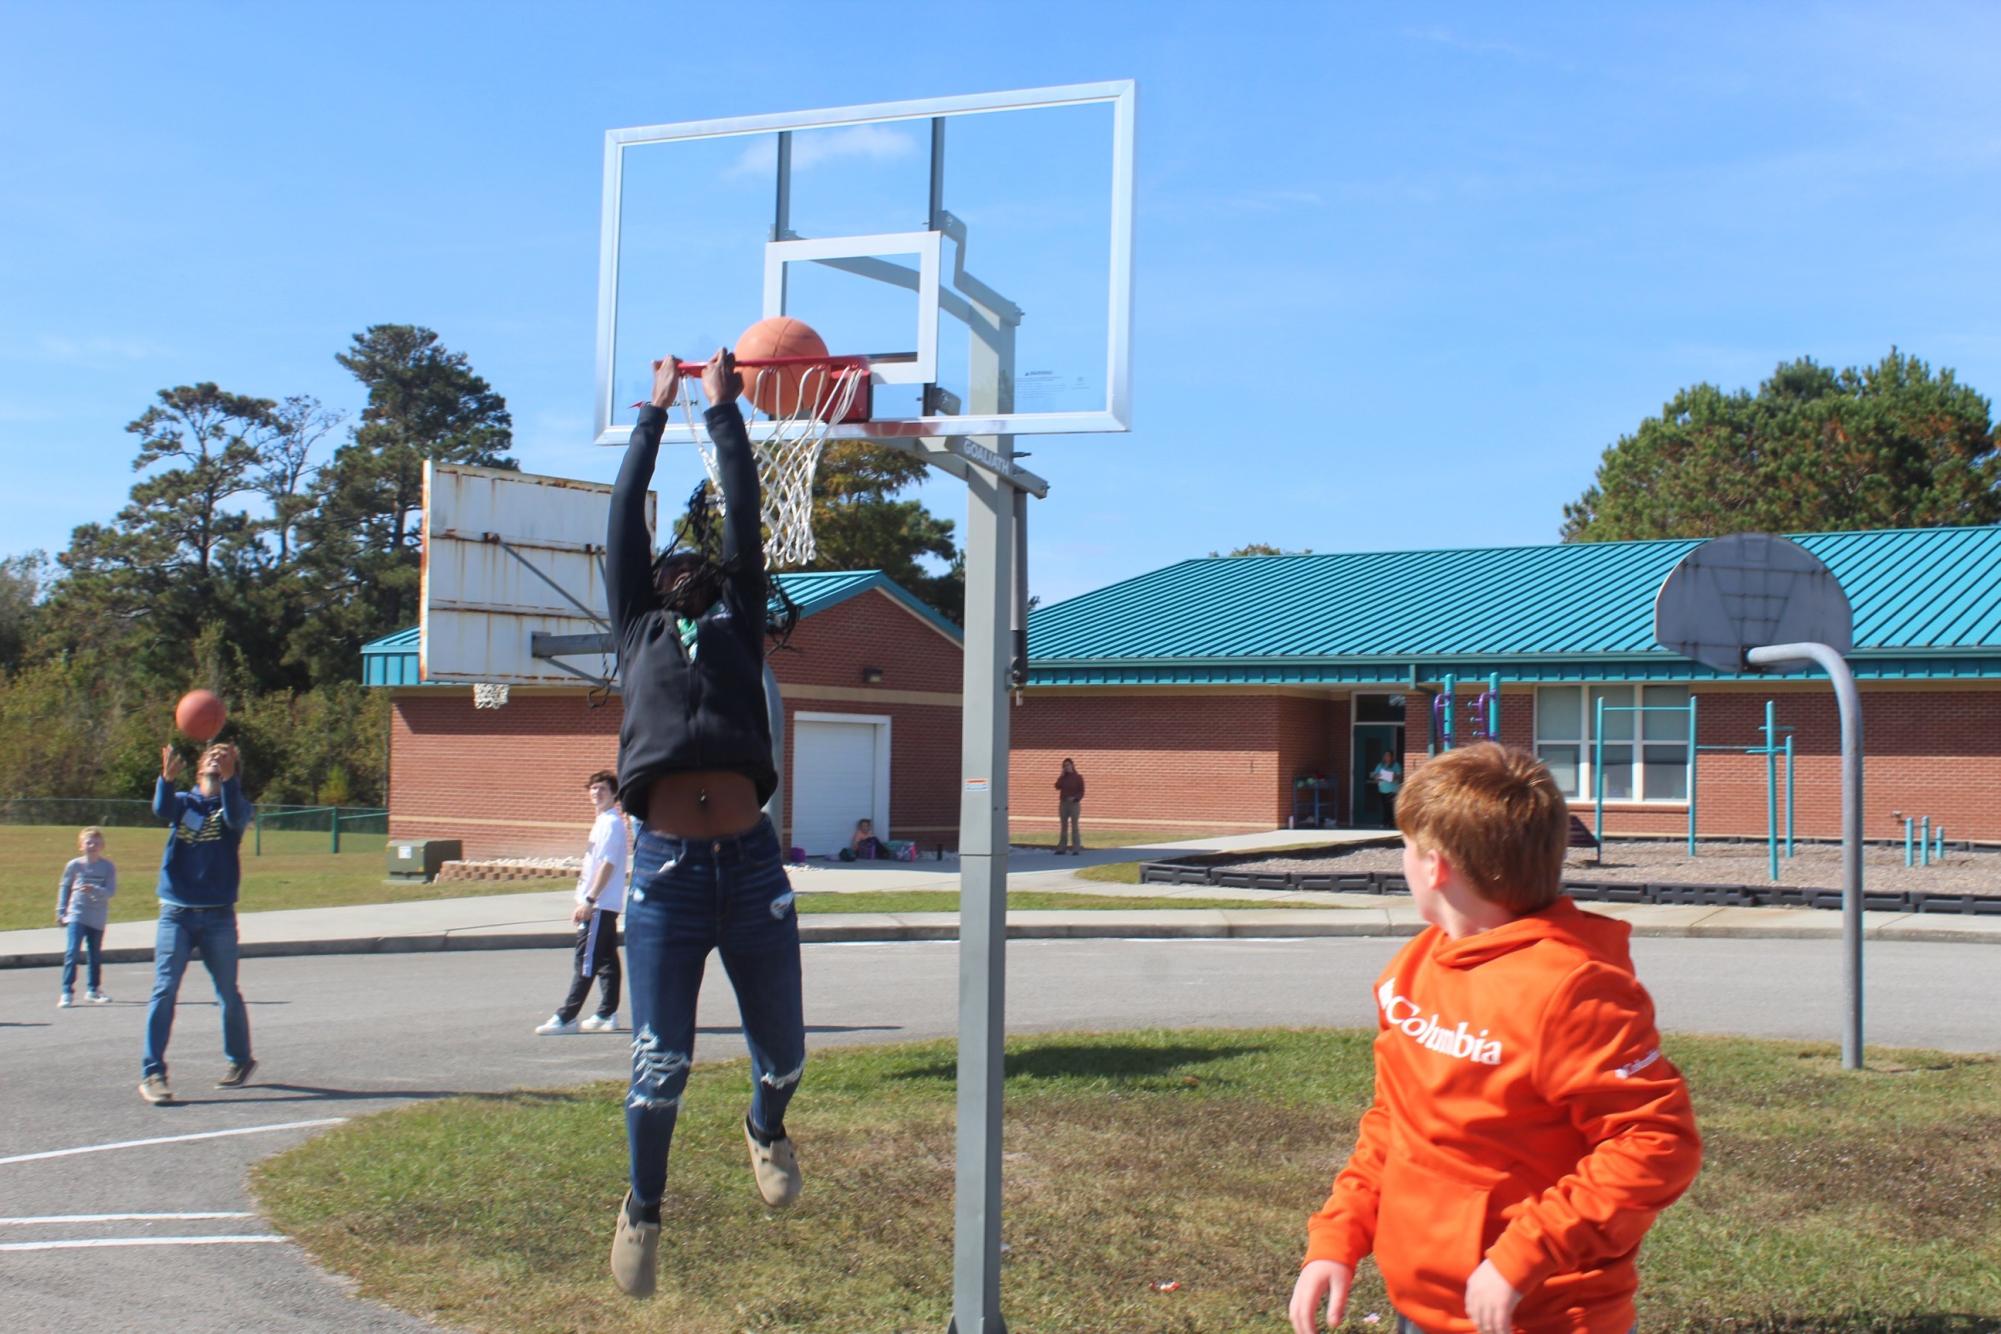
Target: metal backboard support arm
x,y
1017,668
1849,701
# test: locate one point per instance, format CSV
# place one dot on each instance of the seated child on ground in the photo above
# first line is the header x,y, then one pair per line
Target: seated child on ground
x,y
863,845
1526,1129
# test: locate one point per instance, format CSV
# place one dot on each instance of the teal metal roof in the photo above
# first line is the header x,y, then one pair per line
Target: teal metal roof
x,y
817,590
392,659
1927,604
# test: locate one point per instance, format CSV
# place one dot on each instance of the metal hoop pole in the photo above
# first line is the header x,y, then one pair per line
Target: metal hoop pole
x,y
1849,703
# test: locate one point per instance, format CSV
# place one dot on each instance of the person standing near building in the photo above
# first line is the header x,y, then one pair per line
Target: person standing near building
x,y
200,874
1069,809
83,904
1388,778
600,898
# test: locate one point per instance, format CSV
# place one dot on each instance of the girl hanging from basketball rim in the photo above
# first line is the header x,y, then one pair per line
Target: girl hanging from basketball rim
x,y
695,769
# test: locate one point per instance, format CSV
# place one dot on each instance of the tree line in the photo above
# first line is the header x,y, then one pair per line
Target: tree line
x,y
266,540
1812,450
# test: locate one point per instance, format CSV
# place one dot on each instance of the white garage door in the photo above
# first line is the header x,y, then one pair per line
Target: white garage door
x,y
840,775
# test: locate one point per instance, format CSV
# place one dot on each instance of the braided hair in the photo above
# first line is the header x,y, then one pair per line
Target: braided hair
x,y
692,571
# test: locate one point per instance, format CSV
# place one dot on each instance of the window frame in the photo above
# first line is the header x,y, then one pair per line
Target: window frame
x,y
1636,745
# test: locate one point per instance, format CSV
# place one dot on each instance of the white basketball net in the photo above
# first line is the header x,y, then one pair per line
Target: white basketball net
x,y
788,455
485,696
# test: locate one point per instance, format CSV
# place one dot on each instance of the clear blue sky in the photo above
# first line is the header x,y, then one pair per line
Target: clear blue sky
x,y
1403,271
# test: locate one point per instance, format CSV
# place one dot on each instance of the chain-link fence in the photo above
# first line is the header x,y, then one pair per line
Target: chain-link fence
x,y
294,828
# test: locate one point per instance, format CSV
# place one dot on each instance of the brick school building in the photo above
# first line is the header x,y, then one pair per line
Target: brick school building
x,y
1247,693
871,682
1214,693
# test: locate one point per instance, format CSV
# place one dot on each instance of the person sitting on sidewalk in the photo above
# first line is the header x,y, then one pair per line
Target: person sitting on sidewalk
x,y
863,845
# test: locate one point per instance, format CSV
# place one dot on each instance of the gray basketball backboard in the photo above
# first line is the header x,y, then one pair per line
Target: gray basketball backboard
x,y
1750,590
978,249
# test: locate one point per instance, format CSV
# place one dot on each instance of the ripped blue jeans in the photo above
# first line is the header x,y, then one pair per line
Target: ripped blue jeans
x,y
690,896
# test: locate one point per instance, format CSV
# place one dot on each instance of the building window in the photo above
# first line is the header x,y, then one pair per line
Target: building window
x,y
1645,754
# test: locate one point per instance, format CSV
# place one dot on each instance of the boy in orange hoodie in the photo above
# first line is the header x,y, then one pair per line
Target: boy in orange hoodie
x,y
1526,1129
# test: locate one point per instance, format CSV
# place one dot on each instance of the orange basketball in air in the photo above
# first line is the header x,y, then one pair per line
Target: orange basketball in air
x,y
200,715
776,389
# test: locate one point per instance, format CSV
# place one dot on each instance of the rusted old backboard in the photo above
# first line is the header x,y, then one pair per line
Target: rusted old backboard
x,y
507,556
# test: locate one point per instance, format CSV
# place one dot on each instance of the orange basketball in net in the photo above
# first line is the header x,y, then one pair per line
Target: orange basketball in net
x,y
776,389
200,715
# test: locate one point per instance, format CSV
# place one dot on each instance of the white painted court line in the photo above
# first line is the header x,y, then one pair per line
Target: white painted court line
x,y
115,1218
134,1241
170,1139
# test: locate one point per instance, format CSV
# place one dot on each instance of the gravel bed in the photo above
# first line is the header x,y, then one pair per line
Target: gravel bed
x,y
1812,866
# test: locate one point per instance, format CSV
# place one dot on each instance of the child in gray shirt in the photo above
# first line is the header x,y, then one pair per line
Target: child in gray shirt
x,y
83,902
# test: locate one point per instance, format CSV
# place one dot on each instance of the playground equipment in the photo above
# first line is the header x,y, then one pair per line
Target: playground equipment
x,y
1773,748
1928,850
1485,708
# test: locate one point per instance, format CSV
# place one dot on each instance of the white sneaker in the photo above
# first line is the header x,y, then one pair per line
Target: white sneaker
x,y
600,1023
63,1002
556,1027
97,998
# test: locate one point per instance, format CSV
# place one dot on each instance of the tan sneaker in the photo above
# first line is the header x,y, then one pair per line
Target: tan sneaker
x,y
776,1167
635,1251
153,1088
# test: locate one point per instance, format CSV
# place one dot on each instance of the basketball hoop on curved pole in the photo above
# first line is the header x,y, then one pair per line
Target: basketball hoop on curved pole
x,y
1756,602
793,402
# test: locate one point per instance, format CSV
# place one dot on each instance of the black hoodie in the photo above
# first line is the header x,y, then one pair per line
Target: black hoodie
x,y
681,712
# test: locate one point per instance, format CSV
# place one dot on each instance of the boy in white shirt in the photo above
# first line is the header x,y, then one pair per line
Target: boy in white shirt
x,y
600,897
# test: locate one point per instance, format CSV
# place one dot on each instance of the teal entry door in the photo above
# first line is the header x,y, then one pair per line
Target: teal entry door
x,y
1371,740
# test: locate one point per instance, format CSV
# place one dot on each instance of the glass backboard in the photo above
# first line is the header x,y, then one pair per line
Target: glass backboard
x,y
977,249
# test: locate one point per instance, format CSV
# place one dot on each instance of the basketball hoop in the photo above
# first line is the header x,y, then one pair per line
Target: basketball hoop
x,y
807,396
488,696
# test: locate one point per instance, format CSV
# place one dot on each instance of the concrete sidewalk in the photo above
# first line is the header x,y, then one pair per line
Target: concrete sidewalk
x,y
542,920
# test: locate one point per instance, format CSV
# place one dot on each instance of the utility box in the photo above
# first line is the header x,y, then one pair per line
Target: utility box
x,y
420,858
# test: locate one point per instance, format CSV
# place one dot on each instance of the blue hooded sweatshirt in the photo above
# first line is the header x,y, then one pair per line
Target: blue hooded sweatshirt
x,y
200,868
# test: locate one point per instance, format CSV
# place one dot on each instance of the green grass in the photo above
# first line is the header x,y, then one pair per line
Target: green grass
x,y
295,871
1111,873
1117,838
1828,1201
945,900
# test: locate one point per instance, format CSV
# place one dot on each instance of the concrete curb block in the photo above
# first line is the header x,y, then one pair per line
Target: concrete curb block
x,y
873,929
